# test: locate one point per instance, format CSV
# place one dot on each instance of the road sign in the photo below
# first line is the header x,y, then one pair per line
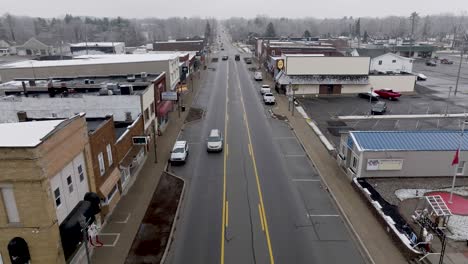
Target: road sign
x,y
169,96
280,64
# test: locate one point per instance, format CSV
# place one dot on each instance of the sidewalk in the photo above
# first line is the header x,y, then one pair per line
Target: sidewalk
x,y
376,241
125,220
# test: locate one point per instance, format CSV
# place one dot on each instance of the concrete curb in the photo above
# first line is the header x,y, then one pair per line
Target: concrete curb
x,y
176,216
364,251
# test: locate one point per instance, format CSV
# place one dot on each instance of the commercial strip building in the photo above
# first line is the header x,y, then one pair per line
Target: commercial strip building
x,y
180,45
92,48
45,184
402,153
95,65
323,75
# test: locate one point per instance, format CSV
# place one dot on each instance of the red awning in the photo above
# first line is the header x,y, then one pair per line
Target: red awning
x,y
164,107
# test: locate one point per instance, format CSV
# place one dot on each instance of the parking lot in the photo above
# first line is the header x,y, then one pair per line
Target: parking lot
x,y
325,110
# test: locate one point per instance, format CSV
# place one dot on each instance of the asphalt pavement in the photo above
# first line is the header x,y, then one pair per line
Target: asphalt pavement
x,y
260,200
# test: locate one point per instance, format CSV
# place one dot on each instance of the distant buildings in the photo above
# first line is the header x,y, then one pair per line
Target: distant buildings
x,y
93,48
180,45
32,47
391,63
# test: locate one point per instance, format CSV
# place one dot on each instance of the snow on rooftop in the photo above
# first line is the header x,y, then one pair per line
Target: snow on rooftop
x,y
96,44
93,59
25,134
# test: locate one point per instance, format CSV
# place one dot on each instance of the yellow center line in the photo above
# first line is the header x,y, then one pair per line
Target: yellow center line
x,y
250,149
227,213
259,189
261,216
227,149
224,218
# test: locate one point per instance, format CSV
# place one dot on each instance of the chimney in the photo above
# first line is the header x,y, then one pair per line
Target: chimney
x,y
22,116
25,90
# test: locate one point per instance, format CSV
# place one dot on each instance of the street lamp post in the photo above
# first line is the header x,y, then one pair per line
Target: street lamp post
x,y
460,144
462,51
370,100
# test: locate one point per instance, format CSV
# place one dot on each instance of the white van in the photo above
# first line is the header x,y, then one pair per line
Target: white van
x,y
265,89
258,76
214,143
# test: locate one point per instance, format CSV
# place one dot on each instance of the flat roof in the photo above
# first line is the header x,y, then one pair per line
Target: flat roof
x,y
443,140
96,44
26,134
93,60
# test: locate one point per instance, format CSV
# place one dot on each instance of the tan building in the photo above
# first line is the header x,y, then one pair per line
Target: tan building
x,y
45,177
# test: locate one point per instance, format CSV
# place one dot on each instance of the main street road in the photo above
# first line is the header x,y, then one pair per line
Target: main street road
x,y
261,200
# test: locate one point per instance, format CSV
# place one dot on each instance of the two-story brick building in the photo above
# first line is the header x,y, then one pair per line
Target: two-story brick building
x,y
45,185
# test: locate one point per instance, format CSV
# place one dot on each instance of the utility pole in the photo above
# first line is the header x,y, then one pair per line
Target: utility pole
x,y
413,18
462,52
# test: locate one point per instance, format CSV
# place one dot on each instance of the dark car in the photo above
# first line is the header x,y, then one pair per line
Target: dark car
x,y
379,108
431,63
248,60
368,95
446,61
225,57
237,57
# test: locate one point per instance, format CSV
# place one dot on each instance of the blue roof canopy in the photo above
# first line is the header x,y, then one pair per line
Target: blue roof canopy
x,y
410,140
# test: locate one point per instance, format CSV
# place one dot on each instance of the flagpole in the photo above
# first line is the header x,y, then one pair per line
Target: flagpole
x,y
456,165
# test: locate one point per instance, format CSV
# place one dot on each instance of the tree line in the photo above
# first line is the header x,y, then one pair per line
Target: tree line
x,y
73,29
415,25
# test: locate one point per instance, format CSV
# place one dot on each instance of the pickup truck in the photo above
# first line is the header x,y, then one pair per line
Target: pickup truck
x,y
268,98
388,94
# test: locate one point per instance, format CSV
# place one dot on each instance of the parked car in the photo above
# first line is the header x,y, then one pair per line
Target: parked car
x,y
222,48
446,61
379,108
268,98
388,94
179,152
265,89
225,57
214,143
258,76
431,63
369,95
248,60
421,77
237,57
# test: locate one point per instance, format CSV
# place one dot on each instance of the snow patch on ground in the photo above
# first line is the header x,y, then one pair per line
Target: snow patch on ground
x,y
458,224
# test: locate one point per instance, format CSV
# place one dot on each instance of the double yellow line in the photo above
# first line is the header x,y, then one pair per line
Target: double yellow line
x,y
263,218
225,203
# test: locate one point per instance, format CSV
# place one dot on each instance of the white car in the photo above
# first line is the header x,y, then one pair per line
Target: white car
x,y
268,98
265,89
179,152
214,143
421,77
258,76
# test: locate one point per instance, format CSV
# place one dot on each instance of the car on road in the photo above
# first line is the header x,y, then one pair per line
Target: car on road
x,y
222,48
268,98
388,94
369,95
431,63
446,61
258,76
214,143
421,77
237,57
265,89
225,57
379,108
179,152
248,60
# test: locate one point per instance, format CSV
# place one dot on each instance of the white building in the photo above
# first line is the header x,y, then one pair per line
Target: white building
x,y
324,75
392,63
95,65
94,48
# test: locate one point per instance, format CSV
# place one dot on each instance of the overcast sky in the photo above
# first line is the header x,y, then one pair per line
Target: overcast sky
x,y
229,8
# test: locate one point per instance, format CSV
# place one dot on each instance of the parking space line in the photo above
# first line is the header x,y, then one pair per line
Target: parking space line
x,y
305,180
111,234
124,221
294,155
324,215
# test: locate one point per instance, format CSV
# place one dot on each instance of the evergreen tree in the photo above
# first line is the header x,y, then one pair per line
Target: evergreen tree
x,y
357,28
270,31
207,32
306,34
365,38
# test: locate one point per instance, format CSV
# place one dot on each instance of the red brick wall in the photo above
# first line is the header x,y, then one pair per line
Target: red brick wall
x,y
126,143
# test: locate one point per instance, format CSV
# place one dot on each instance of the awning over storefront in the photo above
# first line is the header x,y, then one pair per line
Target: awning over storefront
x,y
132,153
110,182
164,108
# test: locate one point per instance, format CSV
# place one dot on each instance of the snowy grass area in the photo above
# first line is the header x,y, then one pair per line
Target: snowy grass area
x,y
457,225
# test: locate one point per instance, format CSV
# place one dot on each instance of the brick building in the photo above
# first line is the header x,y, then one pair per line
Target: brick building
x,y
45,184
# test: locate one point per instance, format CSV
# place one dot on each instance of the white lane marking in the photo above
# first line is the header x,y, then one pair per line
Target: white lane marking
x,y
294,155
311,215
124,221
306,180
111,234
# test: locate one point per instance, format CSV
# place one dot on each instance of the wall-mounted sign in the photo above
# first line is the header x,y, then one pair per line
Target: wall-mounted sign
x,y
280,64
169,96
384,164
140,140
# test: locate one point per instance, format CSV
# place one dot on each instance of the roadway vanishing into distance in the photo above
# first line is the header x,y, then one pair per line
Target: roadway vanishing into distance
x,y
260,200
